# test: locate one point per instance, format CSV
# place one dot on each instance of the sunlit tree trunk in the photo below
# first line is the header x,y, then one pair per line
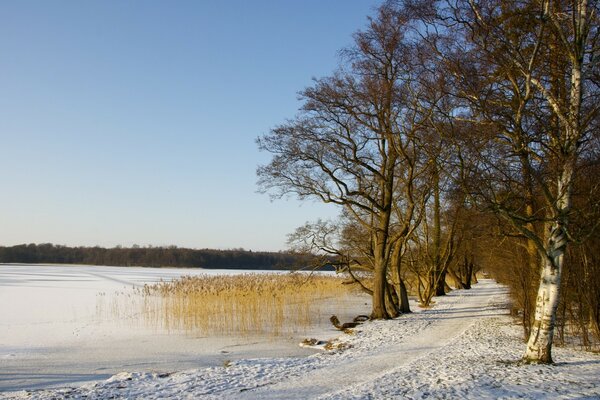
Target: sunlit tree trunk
x,y
381,236
539,346
400,286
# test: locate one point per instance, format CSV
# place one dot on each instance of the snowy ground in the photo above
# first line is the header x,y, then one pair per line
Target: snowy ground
x,y
465,347
58,327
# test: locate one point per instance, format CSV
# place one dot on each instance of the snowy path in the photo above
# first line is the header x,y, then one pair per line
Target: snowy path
x,y
439,327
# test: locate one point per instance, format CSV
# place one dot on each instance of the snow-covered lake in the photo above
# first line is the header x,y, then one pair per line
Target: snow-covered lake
x,y
54,328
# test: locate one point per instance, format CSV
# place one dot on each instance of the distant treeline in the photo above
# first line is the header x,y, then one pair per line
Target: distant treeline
x,y
171,256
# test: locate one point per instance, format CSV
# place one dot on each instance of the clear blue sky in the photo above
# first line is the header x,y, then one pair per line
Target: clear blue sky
x,y
127,122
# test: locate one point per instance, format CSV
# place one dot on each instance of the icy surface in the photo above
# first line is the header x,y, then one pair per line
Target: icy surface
x,y
465,347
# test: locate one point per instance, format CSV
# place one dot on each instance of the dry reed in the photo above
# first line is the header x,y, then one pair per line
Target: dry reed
x,y
273,304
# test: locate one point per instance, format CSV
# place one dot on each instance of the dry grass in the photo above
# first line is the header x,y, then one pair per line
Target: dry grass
x,y
273,304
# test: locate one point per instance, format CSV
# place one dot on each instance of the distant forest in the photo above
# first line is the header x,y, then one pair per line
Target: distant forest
x,y
150,257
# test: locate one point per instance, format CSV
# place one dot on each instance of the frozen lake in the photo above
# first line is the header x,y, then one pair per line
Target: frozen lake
x,y
55,328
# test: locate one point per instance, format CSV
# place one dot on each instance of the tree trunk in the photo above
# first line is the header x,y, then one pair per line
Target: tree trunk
x,y
440,287
468,273
458,284
381,236
379,283
539,346
400,288
447,288
439,272
391,301
404,304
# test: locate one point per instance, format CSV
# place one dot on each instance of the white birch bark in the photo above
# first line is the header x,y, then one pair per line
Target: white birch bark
x,y
539,346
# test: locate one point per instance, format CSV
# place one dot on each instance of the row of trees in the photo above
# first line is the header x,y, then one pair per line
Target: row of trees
x,y
149,257
445,119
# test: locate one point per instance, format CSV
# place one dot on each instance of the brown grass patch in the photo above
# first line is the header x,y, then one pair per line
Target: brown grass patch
x,y
274,304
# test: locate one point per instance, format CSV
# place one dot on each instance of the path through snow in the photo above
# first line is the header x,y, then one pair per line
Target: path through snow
x,y
432,332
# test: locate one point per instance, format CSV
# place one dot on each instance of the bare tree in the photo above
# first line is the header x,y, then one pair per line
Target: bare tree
x,y
346,146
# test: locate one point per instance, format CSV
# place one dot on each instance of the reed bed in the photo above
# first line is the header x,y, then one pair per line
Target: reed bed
x,y
274,304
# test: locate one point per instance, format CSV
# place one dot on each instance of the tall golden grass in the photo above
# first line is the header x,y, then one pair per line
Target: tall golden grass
x,y
273,304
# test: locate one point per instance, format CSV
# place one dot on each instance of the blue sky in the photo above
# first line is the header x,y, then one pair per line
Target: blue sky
x,y
133,122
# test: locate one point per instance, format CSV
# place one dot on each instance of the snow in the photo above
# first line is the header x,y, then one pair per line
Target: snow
x,y
57,327
467,346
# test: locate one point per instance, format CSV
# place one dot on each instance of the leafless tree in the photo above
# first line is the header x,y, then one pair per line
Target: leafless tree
x,y
349,142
